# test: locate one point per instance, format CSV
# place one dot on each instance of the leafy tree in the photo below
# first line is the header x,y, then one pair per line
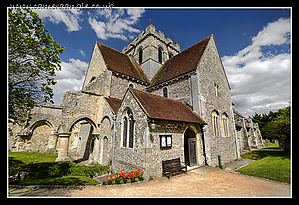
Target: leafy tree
x,y
33,58
275,125
283,123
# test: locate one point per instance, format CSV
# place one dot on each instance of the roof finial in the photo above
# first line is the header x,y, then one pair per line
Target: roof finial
x,y
150,22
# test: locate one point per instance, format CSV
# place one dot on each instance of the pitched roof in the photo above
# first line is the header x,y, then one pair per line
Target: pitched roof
x,y
121,63
114,103
182,63
158,107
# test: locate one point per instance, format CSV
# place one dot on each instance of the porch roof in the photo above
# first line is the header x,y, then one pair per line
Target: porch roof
x,y
158,107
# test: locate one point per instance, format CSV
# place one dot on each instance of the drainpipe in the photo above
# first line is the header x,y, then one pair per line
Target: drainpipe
x,y
113,142
219,161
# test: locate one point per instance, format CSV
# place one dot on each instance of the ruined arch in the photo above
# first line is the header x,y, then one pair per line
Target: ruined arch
x,y
80,140
38,122
81,117
40,138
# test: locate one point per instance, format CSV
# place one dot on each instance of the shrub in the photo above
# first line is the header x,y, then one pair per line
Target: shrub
x,y
55,169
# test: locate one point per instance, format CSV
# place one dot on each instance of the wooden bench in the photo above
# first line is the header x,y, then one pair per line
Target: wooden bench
x,y
171,166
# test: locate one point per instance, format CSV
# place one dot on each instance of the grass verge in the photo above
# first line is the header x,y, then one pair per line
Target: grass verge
x,y
271,163
65,180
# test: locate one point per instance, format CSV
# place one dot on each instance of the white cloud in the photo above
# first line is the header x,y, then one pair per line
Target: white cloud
x,y
81,52
69,17
115,23
260,78
70,78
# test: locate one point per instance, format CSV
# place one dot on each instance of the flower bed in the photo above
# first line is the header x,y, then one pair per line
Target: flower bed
x,y
124,177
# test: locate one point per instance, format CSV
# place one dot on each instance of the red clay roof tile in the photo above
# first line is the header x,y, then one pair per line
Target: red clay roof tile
x,y
158,107
121,63
114,103
180,64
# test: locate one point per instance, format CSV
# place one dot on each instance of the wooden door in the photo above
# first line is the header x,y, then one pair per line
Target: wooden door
x,y
192,151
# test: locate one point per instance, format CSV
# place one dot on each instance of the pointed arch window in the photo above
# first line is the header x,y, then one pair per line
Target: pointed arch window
x,y
131,132
128,129
160,59
125,131
224,118
215,123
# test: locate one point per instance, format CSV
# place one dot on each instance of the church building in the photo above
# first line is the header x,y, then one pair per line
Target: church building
x,y
148,103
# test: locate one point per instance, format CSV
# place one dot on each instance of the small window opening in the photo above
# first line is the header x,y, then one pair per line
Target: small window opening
x,y
165,92
160,55
140,56
92,79
216,89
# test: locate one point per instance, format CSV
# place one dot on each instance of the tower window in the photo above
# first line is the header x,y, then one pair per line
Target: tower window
x,y
160,55
140,56
165,92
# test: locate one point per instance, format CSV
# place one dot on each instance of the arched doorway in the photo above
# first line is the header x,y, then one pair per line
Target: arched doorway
x,y
190,154
81,142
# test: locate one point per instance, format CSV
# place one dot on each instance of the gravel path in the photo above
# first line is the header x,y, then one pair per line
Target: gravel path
x,y
201,182
215,183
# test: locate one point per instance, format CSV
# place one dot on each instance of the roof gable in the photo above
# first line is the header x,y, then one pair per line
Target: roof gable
x,y
158,107
180,64
114,103
121,63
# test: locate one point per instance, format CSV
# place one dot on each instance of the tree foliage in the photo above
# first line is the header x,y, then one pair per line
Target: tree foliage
x,y
275,125
33,58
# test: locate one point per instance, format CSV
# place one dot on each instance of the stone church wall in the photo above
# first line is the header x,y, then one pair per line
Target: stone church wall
x,y
120,84
128,159
178,90
35,134
210,73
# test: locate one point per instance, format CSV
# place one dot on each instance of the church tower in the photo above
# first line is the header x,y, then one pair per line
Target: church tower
x,y
151,49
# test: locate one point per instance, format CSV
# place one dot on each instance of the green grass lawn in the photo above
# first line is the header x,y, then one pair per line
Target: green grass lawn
x,y
34,157
44,170
271,163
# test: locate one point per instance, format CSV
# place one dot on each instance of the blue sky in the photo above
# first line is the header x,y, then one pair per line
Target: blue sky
x,y
254,45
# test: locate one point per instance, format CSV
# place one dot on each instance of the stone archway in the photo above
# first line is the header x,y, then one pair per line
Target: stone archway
x,y
82,149
194,146
190,147
81,140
